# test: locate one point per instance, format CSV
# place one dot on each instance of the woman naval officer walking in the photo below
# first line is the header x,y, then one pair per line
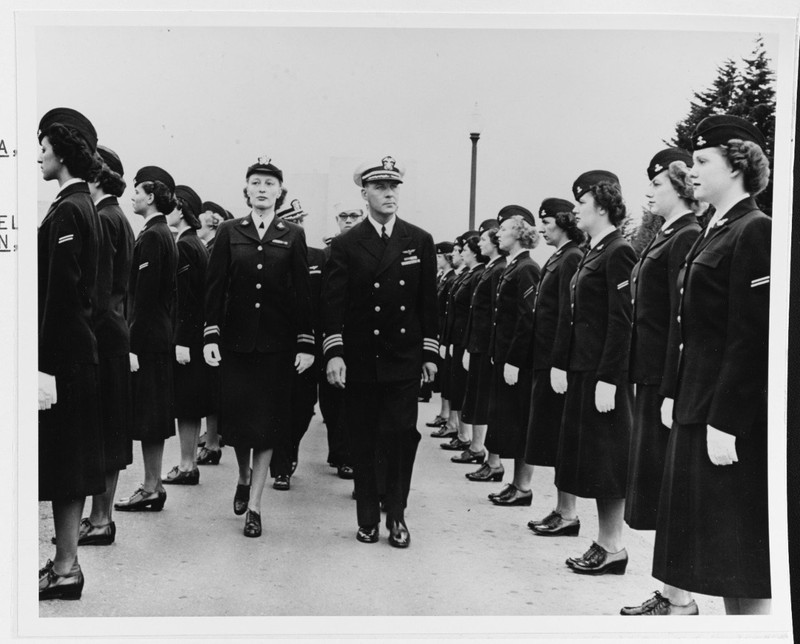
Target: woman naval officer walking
x,y
71,463
654,351
550,347
258,331
712,535
151,307
595,429
193,397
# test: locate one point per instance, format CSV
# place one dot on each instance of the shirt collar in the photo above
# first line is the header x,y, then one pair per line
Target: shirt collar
x,y
389,225
180,234
152,215
511,258
601,236
725,208
494,259
673,219
69,182
257,219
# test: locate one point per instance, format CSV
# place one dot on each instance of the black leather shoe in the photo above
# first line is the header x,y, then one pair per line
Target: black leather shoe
x,y
455,445
598,561
436,422
398,534
486,473
517,497
345,472
367,534
282,482
141,501
660,605
554,525
177,476
444,432
207,456
508,489
96,535
201,442
54,586
240,499
469,457
252,524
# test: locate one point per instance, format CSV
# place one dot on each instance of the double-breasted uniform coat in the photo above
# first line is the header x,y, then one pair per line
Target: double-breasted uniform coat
x,y
380,315
71,463
654,336
113,335
152,300
193,393
593,446
458,304
478,334
713,524
258,310
550,348
511,337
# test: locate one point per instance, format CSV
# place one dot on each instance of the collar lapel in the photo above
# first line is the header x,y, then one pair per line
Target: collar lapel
x,y
397,242
248,228
277,228
369,239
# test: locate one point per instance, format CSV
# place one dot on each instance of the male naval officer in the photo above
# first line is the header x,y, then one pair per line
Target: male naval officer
x,y
380,325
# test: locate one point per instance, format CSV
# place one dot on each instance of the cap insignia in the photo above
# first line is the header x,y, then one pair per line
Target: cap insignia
x,y
700,140
264,160
388,163
658,167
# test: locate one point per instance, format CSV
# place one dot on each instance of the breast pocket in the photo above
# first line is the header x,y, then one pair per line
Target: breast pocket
x,y
708,258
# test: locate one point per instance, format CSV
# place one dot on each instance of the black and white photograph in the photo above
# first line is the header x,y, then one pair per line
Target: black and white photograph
x,y
398,322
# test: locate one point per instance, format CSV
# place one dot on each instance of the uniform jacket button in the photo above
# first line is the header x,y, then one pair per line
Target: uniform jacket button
x,y
376,332
258,285
679,319
402,282
402,330
258,305
680,347
260,248
402,308
260,266
377,284
377,309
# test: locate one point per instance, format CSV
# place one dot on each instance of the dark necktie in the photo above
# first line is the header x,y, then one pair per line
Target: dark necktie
x,y
384,236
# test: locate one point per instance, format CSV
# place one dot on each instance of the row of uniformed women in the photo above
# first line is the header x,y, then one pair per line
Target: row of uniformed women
x,y
603,321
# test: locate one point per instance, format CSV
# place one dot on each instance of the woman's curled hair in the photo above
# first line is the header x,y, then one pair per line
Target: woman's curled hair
x,y
566,222
472,242
164,199
68,145
526,234
751,160
607,195
678,173
109,181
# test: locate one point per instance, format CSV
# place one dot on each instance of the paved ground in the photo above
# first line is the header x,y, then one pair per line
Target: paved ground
x,y
466,557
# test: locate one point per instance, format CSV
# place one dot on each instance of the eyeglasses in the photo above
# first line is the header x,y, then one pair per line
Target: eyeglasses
x,y
349,216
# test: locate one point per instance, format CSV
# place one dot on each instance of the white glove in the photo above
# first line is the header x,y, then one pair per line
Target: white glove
x,y
211,354
666,412
558,380
721,447
450,350
48,394
465,361
442,351
134,362
604,396
511,374
182,354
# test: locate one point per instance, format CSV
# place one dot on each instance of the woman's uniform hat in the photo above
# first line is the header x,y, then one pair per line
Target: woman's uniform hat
x,y
589,180
661,161
387,170
553,206
154,173
462,238
215,208
70,118
192,202
487,224
294,212
506,212
717,130
111,159
263,165
442,248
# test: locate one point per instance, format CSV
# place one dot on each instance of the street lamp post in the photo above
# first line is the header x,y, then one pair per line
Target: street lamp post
x,y
474,135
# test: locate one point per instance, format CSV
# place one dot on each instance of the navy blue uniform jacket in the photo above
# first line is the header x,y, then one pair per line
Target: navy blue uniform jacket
x,y
151,289
68,241
379,303
191,279
258,296
479,323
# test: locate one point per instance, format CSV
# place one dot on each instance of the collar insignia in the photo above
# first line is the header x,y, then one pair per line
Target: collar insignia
x,y
280,225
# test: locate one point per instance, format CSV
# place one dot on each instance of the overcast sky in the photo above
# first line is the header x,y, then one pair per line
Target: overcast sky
x,y
204,102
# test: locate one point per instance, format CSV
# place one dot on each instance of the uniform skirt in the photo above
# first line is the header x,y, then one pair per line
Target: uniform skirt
x,y
153,417
458,379
193,386
544,425
712,535
509,407
71,462
593,447
646,459
255,397
116,411
475,410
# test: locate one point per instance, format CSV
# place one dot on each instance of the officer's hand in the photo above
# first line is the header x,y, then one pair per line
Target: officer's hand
x,y
336,372
721,447
666,412
442,351
211,354
428,372
558,380
48,394
604,396
465,361
134,362
303,361
182,354
510,374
